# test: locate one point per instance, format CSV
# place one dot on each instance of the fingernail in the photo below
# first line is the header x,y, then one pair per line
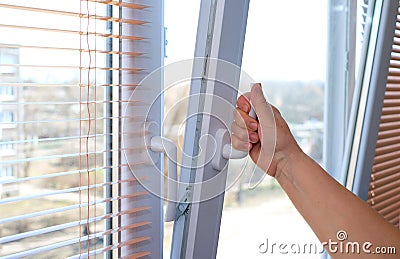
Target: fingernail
x,y
253,125
245,107
253,136
257,88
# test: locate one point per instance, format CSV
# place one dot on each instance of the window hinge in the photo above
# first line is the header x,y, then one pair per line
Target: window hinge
x,y
165,42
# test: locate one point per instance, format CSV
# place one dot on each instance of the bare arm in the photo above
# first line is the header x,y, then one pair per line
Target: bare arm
x,y
325,204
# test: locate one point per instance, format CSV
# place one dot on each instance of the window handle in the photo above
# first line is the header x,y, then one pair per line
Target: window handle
x,y
225,150
161,144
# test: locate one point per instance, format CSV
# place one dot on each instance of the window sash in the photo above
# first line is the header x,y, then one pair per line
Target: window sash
x,y
221,23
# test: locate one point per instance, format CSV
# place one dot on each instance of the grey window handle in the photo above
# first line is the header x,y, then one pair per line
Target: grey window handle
x,y
225,150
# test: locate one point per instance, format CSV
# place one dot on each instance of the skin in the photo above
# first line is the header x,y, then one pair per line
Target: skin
x,y
326,205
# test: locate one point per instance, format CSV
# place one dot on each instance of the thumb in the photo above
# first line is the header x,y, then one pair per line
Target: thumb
x,y
261,106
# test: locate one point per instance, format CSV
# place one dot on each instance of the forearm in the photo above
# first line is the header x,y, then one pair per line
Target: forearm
x,y
329,207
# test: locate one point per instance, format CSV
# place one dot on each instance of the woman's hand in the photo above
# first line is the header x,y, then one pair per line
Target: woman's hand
x,y
268,139
324,203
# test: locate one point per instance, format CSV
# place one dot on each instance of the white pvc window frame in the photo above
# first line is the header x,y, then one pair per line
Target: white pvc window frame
x,y
220,35
153,46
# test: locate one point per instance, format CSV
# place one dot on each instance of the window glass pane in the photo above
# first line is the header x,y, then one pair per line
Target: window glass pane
x,y
285,49
40,70
180,46
6,91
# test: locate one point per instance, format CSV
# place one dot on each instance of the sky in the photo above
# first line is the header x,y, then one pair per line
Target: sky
x,y
285,39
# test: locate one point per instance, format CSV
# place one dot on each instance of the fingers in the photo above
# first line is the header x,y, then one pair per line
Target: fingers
x,y
243,134
261,106
244,121
243,102
240,144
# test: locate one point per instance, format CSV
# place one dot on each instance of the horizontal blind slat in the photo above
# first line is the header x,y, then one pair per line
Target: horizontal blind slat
x,y
80,239
385,172
388,148
393,207
386,134
389,126
393,178
66,243
386,157
73,67
137,118
64,31
121,4
51,175
41,231
388,141
388,110
392,163
79,15
56,192
375,197
71,207
109,248
42,158
384,203
77,50
382,189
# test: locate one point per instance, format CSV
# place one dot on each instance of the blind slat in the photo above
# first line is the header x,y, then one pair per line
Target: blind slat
x,y
387,134
77,155
389,126
78,50
389,148
378,175
137,118
71,207
374,197
388,141
67,243
108,248
392,163
65,173
390,110
79,15
381,182
382,189
64,31
41,231
392,207
390,118
121,4
73,67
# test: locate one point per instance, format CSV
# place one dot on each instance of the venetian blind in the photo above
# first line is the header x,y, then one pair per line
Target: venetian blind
x,y
384,191
67,70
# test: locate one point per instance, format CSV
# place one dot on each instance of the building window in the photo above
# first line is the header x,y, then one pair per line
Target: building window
x,y
9,61
7,117
6,171
6,90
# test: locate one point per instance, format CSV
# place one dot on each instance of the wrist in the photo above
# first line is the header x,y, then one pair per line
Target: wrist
x,y
286,162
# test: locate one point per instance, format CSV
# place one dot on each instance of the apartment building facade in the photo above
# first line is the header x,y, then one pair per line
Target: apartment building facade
x,y
11,114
